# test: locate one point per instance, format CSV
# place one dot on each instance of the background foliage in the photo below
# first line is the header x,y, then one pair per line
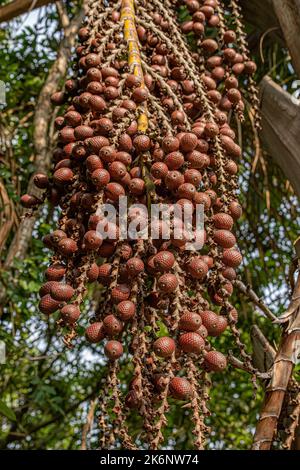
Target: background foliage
x,y
45,390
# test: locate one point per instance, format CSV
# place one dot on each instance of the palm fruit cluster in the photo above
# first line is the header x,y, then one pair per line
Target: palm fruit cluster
x,y
147,115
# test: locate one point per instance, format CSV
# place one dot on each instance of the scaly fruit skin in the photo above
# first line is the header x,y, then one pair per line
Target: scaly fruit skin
x,y
61,292
48,305
215,361
180,388
112,326
164,346
55,272
70,313
209,320
95,332
232,258
164,260
191,342
126,310
113,350
167,283
190,321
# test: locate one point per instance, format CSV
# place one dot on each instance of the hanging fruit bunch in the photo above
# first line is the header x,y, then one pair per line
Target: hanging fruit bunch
x,y
147,116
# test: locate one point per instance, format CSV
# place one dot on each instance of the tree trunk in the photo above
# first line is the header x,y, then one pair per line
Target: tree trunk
x,y
18,7
281,123
284,363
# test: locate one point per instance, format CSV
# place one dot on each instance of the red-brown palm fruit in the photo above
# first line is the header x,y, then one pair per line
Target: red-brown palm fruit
x,y
55,272
191,342
250,67
111,93
65,163
232,258
112,326
233,315
132,81
93,272
79,151
234,95
177,117
220,327
92,240
105,273
28,201
193,176
58,98
137,186
224,238
107,249
124,158
167,283
95,332
67,247
197,268
204,199
47,241
113,350
174,160
140,94
142,143
92,60
117,170
209,82
41,180
107,154
174,179
96,103
61,292
120,292
187,191
94,87
223,221
57,235
48,305
119,113
229,273
83,100
126,310
125,251
170,144
209,320
83,132
180,388
197,159
63,176
235,210
93,162
93,74
190,321
109,72
46,288
132,400
114,190
164,347
135,266
100,178
159,170
73,118
202,331
215,361
163,260
188,142
70,313
231,167
125,143
103,126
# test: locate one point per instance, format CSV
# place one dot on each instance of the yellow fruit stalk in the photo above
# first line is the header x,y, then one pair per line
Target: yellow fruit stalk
x,y
134,58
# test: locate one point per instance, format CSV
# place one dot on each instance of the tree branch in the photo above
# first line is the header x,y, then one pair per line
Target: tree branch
x,y
18,7
249,292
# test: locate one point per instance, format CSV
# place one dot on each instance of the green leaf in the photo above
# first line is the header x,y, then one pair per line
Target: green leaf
x,y
8,412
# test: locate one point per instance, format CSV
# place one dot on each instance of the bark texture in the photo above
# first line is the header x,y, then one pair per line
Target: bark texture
x,y
285,360
281,135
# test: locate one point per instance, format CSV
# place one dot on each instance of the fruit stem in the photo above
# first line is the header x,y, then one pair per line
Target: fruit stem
x,y
134,57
